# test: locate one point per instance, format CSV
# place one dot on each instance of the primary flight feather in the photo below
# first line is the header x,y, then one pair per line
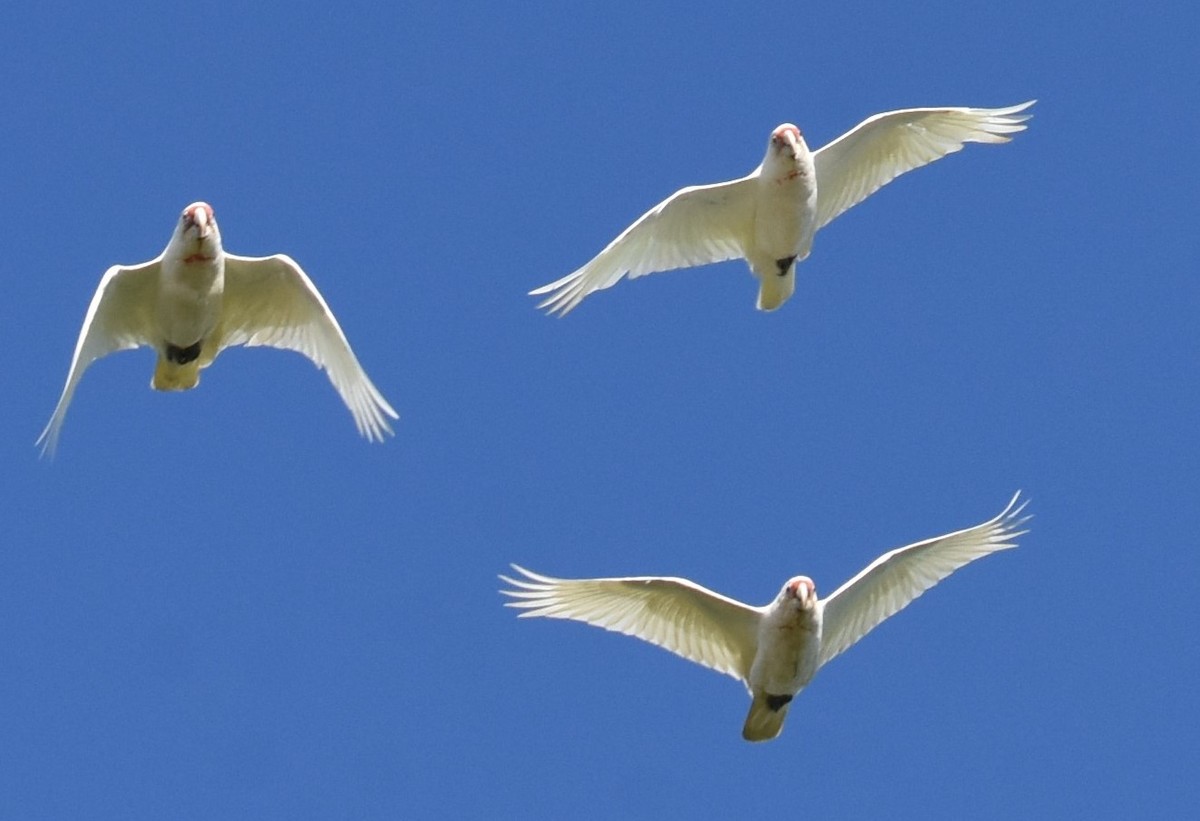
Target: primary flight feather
x,y
769,216
195,299
776,649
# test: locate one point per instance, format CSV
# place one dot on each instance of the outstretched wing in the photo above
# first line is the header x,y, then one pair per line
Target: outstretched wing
x,y
881,148
694,226
676,614
271,301
893,580
119,318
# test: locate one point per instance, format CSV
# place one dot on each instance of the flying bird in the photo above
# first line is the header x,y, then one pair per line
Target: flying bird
x,y
776,649
195,299
769,216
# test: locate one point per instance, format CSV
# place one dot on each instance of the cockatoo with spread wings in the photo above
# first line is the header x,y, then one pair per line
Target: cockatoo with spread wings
x,y
776,649
769,216
195,299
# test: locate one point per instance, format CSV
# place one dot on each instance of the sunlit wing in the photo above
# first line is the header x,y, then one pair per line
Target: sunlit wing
x,y
694,226
881,148
676,614
270,301
119,318
893,580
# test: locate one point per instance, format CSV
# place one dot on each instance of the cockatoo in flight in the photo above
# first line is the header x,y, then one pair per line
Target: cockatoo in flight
x,y
195,299
769,216
775,650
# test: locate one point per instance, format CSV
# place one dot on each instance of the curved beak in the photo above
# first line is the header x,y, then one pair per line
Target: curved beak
x,y
200,216
200,219
802,590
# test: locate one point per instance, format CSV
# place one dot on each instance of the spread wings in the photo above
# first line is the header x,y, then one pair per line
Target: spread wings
x,y
676,614
120,317
881,148
694,226
271,301
889,583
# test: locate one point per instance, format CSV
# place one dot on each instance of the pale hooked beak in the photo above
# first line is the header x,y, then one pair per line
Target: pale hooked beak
x,y
801,589
200,216
793,139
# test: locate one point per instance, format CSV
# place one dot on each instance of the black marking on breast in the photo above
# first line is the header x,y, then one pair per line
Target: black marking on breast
x,y
784,264
777,703
182,356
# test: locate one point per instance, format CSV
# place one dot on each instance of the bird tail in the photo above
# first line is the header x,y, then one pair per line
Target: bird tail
x,y
171,376
766,716
774,290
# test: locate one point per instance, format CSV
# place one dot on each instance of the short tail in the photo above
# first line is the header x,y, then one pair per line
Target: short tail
x,y
171,376
766,716
774,290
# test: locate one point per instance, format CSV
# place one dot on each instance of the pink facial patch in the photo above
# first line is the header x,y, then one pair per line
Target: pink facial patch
x,y
195,210
795,584
786,128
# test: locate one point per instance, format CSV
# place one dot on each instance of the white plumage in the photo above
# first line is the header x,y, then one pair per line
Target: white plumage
x,y
195,299
769,216
776,649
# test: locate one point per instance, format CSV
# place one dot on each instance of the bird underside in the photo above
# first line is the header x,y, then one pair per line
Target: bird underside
x,y
178,368
765,719
182,356
777,288
777,703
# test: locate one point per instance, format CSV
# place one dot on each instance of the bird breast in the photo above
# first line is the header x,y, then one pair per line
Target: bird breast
x,y
189,300
785,217
789,644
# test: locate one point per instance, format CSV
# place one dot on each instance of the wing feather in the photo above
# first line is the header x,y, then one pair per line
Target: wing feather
x,y
694,226
889,583
882,147
271,301
675,614
119,317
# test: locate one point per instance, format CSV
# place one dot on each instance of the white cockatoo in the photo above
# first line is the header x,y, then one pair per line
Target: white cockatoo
x,y
195,299
776,649
769,216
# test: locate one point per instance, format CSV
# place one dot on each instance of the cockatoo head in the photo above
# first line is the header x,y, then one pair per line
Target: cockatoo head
x,y
800,592
788,156
197,233
787,142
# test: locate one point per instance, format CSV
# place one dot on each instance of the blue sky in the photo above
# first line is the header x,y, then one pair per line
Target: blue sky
x,y
224,604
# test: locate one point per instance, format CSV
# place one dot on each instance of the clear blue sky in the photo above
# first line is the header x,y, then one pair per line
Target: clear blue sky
x,y
224,604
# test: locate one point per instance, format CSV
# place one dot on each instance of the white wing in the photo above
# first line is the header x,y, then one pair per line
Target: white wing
x,y
120,317
893,580
881,148
676,614
694,226
270,301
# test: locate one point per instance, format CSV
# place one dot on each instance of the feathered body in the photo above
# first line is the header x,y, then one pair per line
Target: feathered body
x,y
776,649
196,299
191,285
770,216
785,212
